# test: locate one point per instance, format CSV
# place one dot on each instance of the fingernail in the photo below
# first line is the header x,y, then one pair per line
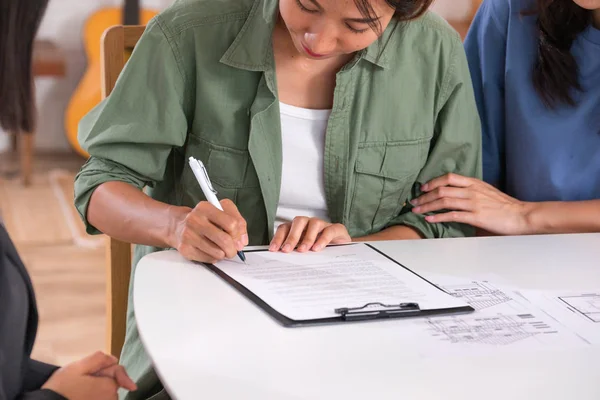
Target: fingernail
x,y
416,209
239,245
317,247
424,187
302,247
414,202
245,239
287,247
429,218
273,247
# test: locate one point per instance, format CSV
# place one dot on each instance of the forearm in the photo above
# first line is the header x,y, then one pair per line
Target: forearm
x,y
563,217
398,232
123,212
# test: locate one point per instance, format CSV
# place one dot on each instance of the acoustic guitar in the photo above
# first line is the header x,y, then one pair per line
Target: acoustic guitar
x,y
88,93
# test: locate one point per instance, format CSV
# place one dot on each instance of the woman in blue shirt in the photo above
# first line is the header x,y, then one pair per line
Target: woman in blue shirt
x,y
535,67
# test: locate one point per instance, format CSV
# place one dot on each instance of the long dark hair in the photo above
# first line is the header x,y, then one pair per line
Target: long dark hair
x,y
405,10
19,23
556,73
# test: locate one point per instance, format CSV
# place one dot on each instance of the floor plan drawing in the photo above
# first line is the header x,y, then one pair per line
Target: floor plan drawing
x,y
587,305
479,295
495,330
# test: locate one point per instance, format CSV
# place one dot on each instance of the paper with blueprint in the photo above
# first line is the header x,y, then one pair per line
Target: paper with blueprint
x,y
577,311
507,319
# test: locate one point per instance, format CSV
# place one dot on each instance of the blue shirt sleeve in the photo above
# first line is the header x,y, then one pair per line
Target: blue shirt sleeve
x,y
485,46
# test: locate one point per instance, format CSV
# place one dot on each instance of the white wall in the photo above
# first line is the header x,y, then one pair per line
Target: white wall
x,y
453,10
63,23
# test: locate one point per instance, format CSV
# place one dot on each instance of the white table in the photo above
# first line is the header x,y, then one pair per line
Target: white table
x,y
209,342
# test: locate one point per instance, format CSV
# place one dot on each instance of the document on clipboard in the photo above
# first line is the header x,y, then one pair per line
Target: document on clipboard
x,y
352,282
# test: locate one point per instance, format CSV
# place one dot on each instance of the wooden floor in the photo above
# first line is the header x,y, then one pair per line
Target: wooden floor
x,y
66,265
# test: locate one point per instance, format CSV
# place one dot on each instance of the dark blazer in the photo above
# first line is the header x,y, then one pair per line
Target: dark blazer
x,y
20,376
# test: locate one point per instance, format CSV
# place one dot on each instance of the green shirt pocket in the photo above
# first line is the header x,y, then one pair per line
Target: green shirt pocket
x,y
384,175
230,170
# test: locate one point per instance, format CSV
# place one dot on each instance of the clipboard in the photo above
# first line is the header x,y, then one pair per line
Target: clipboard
x,y
371,311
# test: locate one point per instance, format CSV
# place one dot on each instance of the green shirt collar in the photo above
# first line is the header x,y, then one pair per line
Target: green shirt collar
x,y
378,52
252,48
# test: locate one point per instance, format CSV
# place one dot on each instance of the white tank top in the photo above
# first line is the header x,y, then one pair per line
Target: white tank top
x,y
302,181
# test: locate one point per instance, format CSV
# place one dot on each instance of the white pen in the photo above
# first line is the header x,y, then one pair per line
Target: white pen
x,y
209,192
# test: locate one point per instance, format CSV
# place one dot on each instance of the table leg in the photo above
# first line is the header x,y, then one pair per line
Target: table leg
x,y
26,149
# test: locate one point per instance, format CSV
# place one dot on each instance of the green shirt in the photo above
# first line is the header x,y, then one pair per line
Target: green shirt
x,y
201,82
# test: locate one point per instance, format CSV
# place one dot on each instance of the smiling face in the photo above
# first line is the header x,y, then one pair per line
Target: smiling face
x,y
322,29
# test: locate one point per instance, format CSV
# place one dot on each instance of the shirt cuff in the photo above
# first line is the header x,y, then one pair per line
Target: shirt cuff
x,y
94,173
42,394
432,230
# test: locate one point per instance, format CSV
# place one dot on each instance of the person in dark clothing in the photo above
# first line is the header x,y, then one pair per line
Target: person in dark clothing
x,y
95,377
98,376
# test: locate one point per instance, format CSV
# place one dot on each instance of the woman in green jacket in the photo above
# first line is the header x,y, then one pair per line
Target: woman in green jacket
x,y
317,120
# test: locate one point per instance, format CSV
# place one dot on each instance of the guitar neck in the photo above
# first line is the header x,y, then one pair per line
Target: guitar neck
x,y
131,12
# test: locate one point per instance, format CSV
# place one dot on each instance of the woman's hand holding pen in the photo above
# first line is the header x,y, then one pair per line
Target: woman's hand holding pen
x,y
308,234
207,234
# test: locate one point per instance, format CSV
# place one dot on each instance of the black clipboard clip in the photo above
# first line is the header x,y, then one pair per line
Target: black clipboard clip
x,y
378,310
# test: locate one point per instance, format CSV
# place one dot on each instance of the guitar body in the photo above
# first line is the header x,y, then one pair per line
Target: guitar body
x,y
88,92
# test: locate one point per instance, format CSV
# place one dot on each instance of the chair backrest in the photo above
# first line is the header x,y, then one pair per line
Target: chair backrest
x,y
117,42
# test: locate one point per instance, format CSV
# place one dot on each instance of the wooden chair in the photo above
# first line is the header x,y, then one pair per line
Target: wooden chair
x,y
117,43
